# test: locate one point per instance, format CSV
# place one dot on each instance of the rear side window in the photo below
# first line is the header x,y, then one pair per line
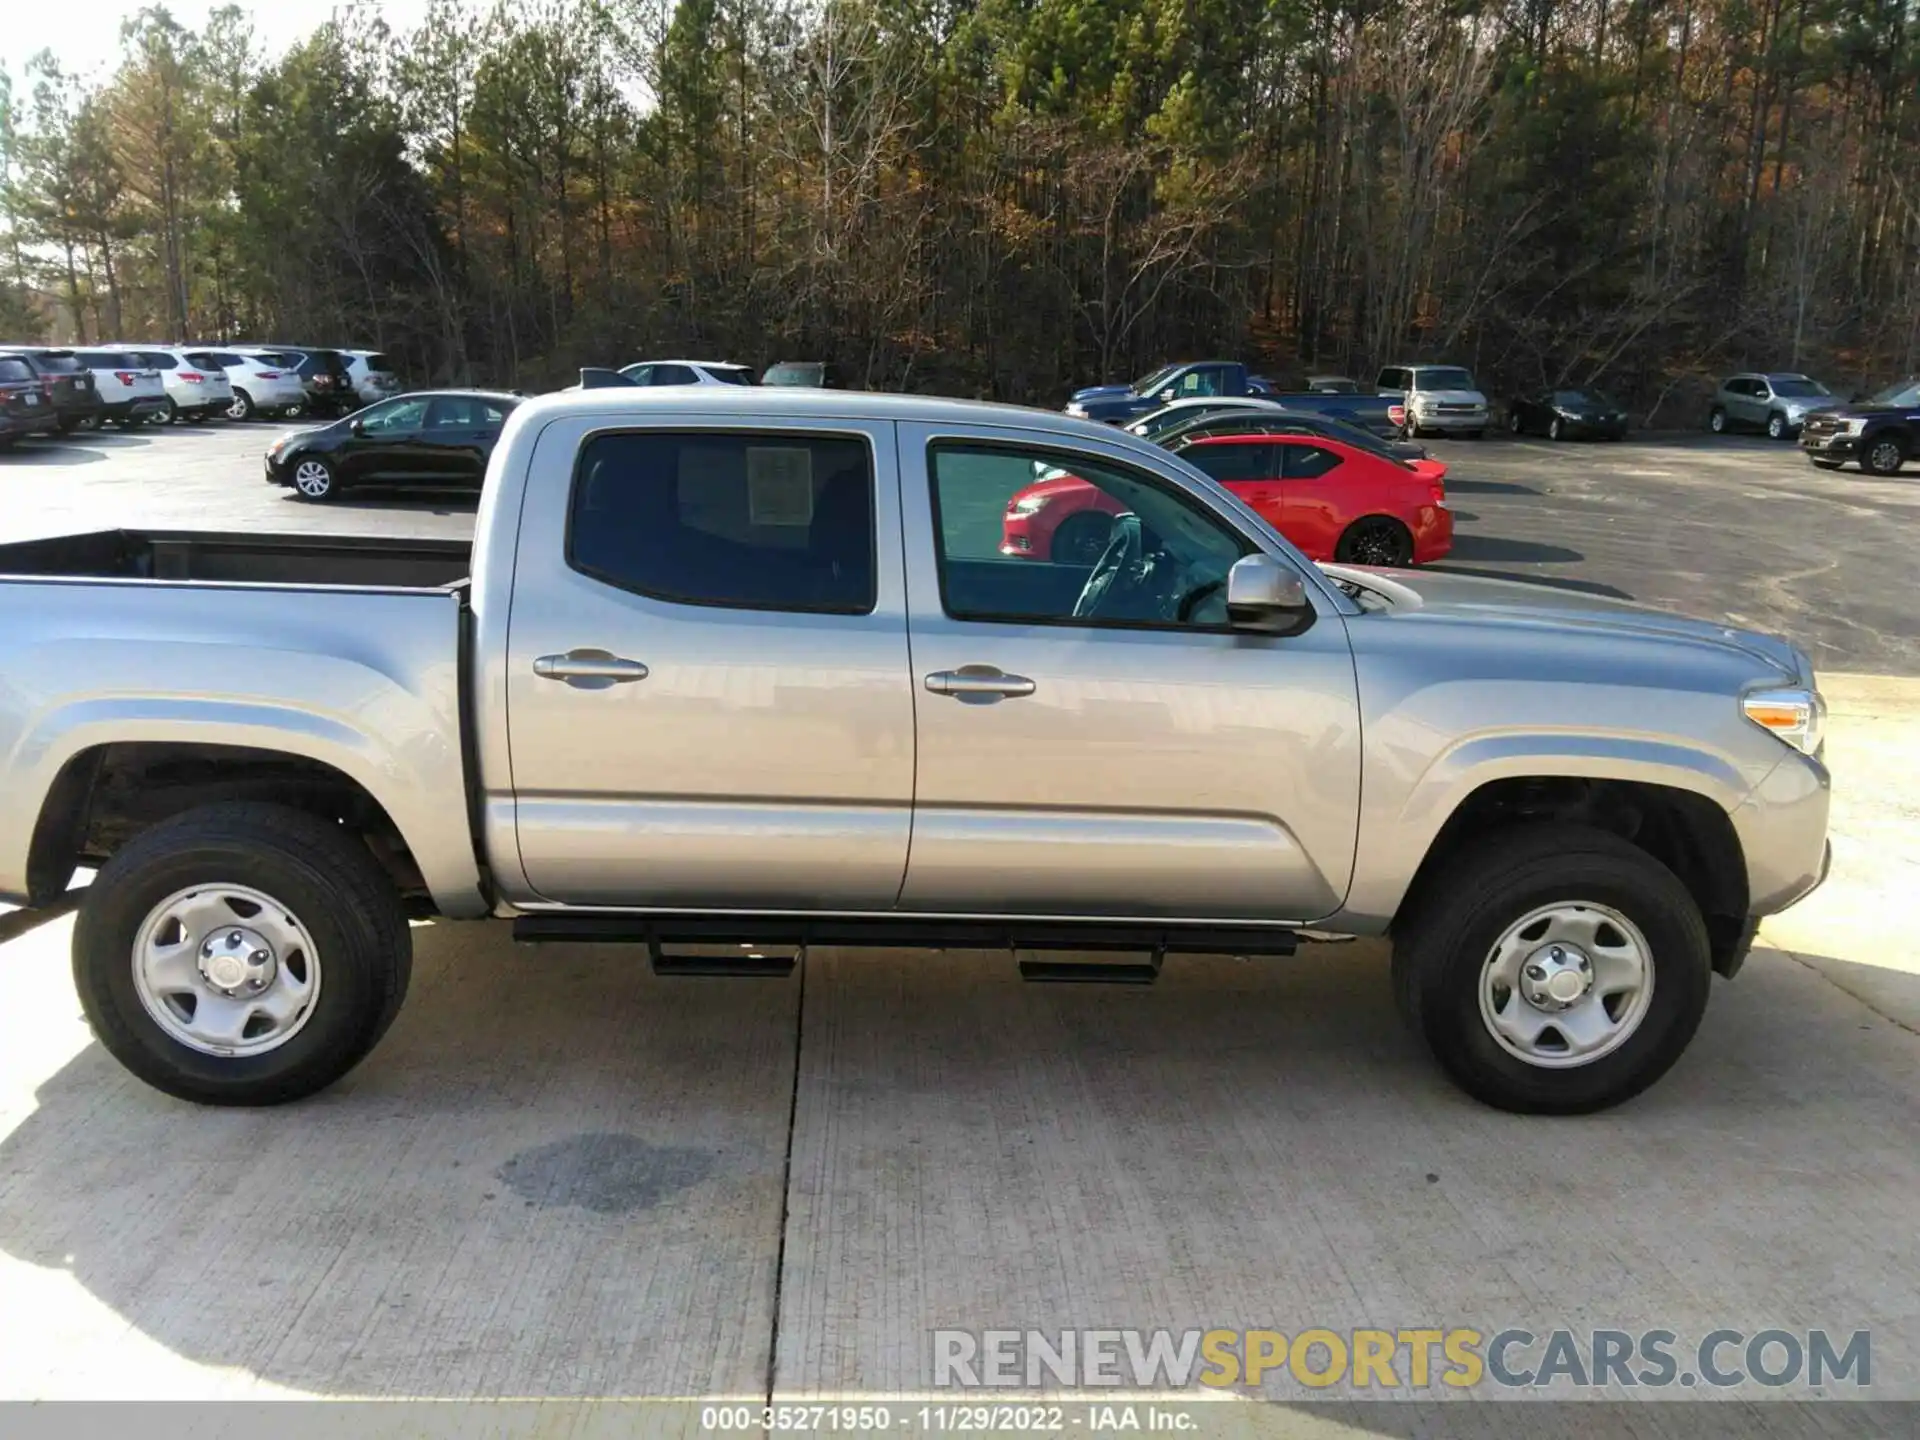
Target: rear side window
x,y
204,359
107,360
380,362
1306,462
159,360
760,521
731,377
671,375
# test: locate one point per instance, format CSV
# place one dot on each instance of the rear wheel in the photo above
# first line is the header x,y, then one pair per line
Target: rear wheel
x,y
1376,540
1513,421
1717,421
313,478
1081,539
241,954
1553,970
170,415
1883,456
241,407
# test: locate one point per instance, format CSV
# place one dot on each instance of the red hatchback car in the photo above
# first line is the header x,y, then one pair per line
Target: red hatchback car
x,y
1333,501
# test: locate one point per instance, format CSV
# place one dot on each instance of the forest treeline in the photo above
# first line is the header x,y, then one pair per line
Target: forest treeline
x,y
998,198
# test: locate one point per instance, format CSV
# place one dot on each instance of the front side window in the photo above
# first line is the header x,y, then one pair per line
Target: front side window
x,y
751,520
673,375
394,417
1035,536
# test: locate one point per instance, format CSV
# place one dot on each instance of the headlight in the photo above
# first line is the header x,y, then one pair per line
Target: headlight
x,y
1029,505
1797,716
1853,425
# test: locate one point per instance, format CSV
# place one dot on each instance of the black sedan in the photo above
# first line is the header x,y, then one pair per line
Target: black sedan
x,y
434,439
1567,414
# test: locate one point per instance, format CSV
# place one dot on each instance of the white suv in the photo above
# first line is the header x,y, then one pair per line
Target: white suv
x,y
130,389
194,391
687,372
264,382
374,375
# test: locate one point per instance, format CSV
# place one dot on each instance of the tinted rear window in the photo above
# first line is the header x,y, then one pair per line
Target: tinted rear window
x,y
60,362
731,377
759,521
380,362
159,360
109,360
15,370
205,359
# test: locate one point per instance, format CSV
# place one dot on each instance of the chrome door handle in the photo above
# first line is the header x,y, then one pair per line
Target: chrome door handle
x,y
589,665
978,680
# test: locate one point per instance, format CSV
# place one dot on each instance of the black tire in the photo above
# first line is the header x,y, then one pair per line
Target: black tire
x,y
1513,422
1777,426
242,406
310,490
66,425
1557,430
1883,456
1476,434
322,874
1443,937
1717,420
1375,540
170,415
1081,539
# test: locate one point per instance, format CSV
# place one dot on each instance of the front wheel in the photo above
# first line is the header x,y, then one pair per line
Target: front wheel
x,y
241,406
1557,430
1883,457
1776,427
1376,540
241,954
313,478
1513,422
1553,970
1717,421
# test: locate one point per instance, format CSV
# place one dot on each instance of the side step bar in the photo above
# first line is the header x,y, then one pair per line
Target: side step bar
x,y
710,944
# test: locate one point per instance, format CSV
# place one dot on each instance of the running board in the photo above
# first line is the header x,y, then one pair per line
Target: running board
x,y
709,944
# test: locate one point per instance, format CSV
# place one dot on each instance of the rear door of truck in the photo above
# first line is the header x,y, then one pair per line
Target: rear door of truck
x,y
708,690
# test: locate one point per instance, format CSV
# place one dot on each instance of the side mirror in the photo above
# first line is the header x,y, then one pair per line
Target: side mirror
x,y
357,426
1266,597
1166,396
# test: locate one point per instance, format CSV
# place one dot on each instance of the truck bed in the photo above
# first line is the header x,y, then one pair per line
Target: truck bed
x,y
375,561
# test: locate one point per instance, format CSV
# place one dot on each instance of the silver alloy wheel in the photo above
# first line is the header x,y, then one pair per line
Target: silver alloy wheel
x,y
312,479
240,407
1884,458
1776,427
1566,984
226,970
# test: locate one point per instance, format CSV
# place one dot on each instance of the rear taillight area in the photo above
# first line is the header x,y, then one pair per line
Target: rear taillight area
x,y
125,377
1396,414
269,374
192,377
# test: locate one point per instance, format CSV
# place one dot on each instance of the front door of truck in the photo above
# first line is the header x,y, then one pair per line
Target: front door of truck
x,y
1094,739
707,681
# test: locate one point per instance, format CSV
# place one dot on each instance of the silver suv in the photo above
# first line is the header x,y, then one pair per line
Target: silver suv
x,y
1437,397
1777,403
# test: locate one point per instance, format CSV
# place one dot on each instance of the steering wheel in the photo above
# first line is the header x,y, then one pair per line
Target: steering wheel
x,y
1121,555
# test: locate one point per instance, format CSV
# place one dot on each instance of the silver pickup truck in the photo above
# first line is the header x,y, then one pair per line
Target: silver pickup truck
x,y
744,669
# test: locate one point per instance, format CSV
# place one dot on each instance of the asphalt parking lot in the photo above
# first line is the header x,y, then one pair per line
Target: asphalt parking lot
x,y
561,1176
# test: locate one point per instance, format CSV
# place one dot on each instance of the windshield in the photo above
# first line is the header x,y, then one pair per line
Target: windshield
x,y
1596,398
1799,388
1152,378
795,372
1443,377
1904,392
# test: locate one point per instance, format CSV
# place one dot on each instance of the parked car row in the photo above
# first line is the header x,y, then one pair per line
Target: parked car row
x,y
56,390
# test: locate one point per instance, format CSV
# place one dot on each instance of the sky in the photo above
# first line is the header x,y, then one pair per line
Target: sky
x,y
85,34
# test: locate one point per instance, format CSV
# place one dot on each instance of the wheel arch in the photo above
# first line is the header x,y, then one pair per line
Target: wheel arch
x,y
1684,829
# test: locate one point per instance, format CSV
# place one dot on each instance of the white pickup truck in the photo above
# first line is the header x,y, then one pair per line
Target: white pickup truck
x,y
746,665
